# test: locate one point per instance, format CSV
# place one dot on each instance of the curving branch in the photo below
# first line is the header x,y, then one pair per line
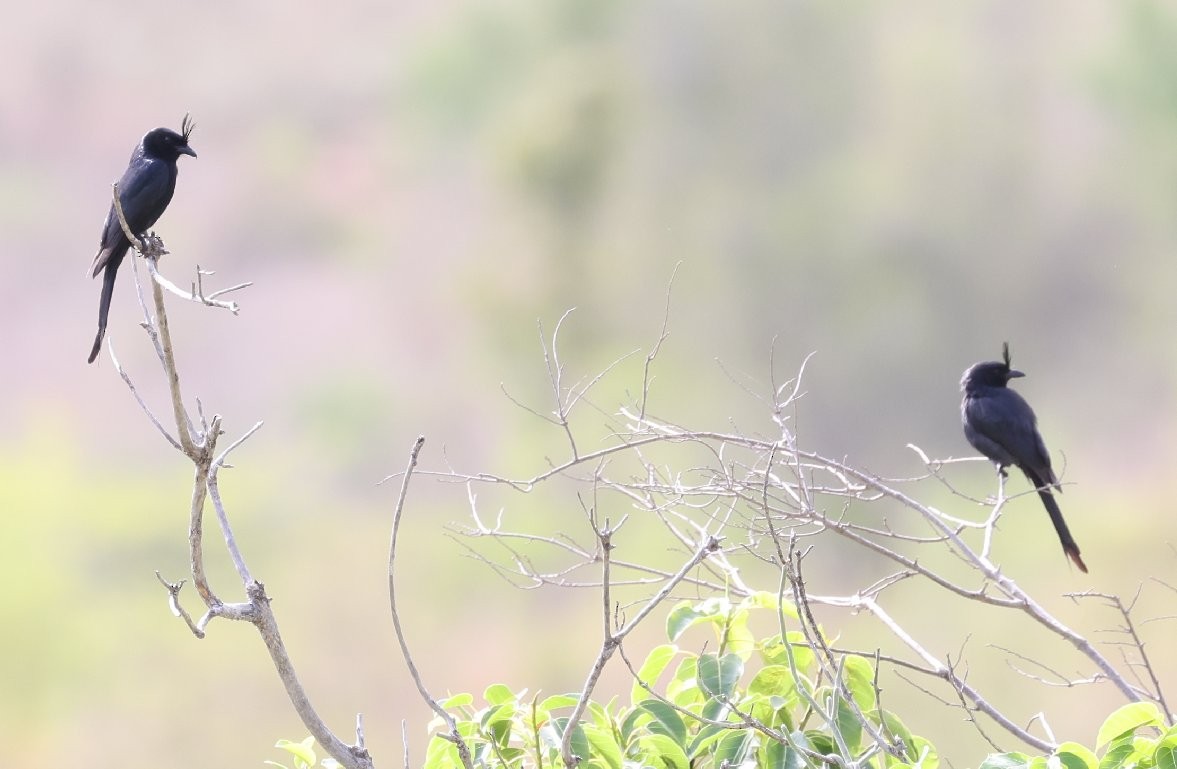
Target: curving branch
x,y
454,736
759,491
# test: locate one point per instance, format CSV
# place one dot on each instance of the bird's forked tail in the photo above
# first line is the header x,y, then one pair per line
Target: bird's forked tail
x,y
108,277
1056,517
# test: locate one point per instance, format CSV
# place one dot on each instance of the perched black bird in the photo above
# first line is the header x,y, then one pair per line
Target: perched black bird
x,y
144,193
1001,425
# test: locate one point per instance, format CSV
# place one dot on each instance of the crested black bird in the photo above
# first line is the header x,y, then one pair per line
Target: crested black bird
x,y
1001,425
144,193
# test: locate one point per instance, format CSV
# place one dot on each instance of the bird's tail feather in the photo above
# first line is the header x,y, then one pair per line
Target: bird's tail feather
x,y
108,277
100,260
1056,517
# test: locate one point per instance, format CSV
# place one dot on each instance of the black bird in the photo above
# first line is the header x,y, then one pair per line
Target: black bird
x,y
144,193
1001,425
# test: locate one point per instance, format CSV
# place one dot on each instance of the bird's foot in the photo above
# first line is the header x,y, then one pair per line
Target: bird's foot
x,y
153,246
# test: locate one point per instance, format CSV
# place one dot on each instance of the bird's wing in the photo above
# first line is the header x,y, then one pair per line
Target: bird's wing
x,y
144,191
1004,418
1042,466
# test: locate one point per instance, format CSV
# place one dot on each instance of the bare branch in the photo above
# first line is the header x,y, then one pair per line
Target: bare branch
x,y
118,210
663,335
454,736
173,589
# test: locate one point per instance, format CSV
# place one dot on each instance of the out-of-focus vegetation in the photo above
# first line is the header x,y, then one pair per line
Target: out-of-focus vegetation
x,y
411,186
756,702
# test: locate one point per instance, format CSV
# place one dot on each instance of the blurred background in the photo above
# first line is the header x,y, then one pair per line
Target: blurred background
x,y
413,186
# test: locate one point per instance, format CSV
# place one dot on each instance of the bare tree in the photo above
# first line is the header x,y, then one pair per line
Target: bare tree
x,y
742,500
726,501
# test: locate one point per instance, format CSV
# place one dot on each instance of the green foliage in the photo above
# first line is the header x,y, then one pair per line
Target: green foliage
x,y
304,755
755,703
751,702
1125,747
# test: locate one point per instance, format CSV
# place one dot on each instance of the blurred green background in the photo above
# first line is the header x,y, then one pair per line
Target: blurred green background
x,y
898,187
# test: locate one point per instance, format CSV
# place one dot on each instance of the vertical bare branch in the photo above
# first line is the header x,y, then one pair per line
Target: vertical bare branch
x,y
453,736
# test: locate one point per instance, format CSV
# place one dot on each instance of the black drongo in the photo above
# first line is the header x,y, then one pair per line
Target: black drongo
x,y
144,193
1001,425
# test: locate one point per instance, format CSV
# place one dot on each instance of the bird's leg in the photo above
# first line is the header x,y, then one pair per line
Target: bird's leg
x,y
1001,477
153,246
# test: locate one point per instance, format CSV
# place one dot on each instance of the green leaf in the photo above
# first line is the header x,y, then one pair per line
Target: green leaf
x,y
557,701
849,726
860,680
819,742
773,680
716,710
604,746
1006,761
600,714
651,669
482,752
441,754
737,638
1165,755
497,694
579,744
780,755
1072,755
633,720
549,734
706,737
927,757
1117,753
733,747
496,723
775,652
718,676
683,689
661,751
893,727
667,721
760,600
772,711
682,617
458,701
1126,720
498,713
304,751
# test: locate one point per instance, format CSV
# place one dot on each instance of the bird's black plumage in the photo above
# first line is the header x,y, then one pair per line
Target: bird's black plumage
x,y
1001,425
145,190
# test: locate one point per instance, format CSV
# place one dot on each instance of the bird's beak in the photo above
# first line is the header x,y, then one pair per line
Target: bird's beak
x,y
1013,373
186,150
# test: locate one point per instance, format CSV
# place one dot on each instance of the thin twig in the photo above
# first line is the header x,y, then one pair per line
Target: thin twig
x,y
454,735
178,610
663,335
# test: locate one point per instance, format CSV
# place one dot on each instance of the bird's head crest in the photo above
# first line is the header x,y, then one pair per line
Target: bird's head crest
x,y
1005,354
187,126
